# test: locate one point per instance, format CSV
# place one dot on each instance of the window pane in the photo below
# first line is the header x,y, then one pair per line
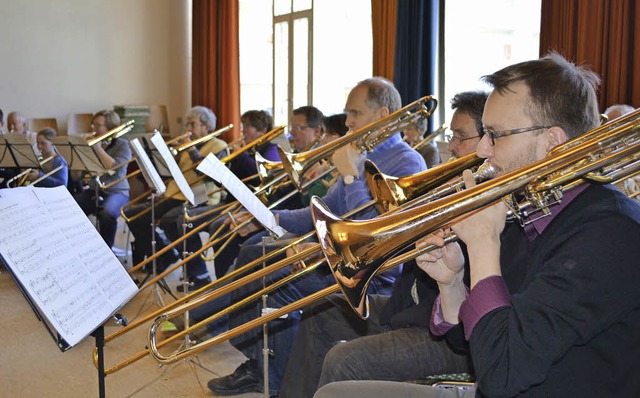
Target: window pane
x,y
342,45
281,65
256,55
480,40
301,5
281,7
300,62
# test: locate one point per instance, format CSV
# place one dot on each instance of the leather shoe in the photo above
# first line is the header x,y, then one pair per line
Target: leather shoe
x,y
194,284
246,378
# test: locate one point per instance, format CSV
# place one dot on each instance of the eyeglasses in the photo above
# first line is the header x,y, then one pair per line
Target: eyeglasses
x,y
457,140
497,134
297,129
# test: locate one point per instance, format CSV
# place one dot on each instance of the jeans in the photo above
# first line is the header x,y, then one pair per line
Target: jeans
x,y
334,344
107,216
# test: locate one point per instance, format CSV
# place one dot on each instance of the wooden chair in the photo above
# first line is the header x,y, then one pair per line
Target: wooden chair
x,y
158,119
38,124
78,123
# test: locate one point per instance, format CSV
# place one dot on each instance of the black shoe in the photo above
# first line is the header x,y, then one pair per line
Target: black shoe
x,y
246,378
194,284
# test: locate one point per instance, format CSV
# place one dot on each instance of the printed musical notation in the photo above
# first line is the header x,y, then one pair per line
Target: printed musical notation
x,y
215,169
55,252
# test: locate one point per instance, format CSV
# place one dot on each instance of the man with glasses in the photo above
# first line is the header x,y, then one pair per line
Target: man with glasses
x,y
305,127
199,121
466,130
550,302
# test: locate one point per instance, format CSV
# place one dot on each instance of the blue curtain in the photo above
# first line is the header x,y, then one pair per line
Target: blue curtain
x,y
416,49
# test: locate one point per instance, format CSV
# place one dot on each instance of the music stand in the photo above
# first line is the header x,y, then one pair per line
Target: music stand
x,y
158,188
16,152
154,155
81,156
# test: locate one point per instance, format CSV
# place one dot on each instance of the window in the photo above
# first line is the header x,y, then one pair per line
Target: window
x,y
302,52
480,40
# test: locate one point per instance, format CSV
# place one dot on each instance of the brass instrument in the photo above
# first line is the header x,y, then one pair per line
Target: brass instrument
x,y
368,137
430,137
180,148
355,250
112,134
21,178
390,192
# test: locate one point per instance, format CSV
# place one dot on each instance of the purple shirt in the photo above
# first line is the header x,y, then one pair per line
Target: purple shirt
x,y
491,293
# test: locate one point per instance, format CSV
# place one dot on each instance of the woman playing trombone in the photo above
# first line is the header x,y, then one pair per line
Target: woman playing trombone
x,y
47,176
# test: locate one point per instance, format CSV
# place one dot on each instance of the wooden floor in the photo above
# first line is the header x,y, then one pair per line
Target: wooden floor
x,y
31,365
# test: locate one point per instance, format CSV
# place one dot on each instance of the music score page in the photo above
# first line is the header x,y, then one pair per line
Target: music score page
x,y
61,260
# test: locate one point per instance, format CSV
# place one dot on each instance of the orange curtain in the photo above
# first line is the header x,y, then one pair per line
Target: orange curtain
x,y
602,35
215,69
383,24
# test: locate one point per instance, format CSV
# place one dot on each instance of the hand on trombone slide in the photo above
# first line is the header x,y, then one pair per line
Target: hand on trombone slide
x,y
298,265
348,160
234,220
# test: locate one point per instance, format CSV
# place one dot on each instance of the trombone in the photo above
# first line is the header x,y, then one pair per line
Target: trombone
x,y
360,249
207,293
355,250
112,134
367,138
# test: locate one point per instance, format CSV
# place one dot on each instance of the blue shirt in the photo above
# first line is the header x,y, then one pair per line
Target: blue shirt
x,y
393,157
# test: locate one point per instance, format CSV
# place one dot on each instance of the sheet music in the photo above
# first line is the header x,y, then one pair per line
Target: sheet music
x,y
148,171
156,159
176,173
61,260
215,169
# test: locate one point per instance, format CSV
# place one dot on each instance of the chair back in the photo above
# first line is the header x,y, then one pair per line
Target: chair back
x,y
158,119
79,123
37,124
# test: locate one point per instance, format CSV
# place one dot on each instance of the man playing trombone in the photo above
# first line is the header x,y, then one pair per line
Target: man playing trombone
x,y
394,342
199,121
371,100
552,308
255,123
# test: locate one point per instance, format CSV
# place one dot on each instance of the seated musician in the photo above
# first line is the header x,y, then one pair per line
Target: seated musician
x,y
414,134
306,131
199,121
371,100
394,343
550,302
48,151
255,123
111,153
16,124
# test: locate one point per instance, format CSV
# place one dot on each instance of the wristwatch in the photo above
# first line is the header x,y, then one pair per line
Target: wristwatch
x,y
348,179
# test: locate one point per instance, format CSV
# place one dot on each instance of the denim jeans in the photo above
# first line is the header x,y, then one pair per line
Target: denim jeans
x,y
108,216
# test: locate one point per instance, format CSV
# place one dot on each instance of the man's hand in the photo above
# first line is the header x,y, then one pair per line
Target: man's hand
x,y
444,264
298,248
348,160
481,233
241,217
182,140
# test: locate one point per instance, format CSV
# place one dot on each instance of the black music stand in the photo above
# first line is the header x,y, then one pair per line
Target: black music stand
x,y
158,188
16,152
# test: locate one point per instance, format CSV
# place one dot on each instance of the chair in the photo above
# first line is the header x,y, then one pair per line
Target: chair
x,y
158,119
78,123
38,124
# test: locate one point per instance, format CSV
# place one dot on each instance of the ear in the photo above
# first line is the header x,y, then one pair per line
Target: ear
x,y
318,131
383,112
555,136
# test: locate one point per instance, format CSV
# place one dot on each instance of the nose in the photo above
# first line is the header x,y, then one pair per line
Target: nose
x,y
484,148
451,148
350,122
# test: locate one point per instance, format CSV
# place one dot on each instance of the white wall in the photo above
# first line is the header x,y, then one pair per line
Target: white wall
x,y
75,56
